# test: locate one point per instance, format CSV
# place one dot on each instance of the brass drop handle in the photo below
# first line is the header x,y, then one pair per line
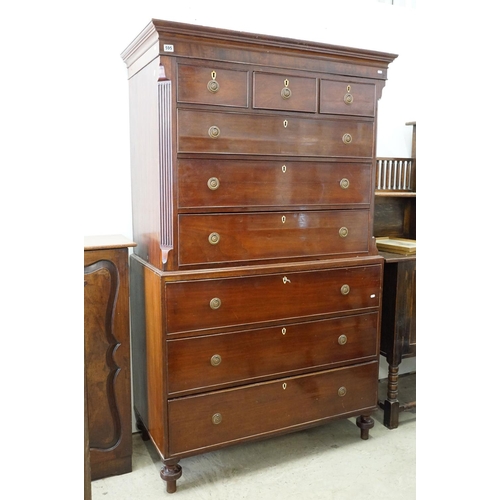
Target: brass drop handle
x,y
214,238
343,232
286,93
216,418
213,183
213,86
215,360
342,391
344,183
347,138
215,303
348,98
345,289
214,132
342,340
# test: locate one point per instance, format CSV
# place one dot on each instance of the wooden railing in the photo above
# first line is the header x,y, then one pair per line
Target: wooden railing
x,y
395,174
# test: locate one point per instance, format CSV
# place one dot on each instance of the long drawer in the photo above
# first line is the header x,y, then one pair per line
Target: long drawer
x,y
215,303
247,183
261,134
208,361
227,416
225,238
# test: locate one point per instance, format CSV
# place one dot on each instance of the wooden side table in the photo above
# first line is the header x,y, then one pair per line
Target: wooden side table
x,y
398,330
107,355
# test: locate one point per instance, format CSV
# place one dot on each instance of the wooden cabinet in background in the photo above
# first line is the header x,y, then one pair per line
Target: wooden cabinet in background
x,y
256,282
107,355
395,216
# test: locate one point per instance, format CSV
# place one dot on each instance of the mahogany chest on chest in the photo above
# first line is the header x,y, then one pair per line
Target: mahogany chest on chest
x,y
255,284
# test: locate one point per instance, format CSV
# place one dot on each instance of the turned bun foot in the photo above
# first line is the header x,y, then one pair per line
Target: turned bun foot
x,y
365,423
170,472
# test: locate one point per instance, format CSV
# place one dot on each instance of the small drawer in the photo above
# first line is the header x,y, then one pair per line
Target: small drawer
x,y
241,133
207,362
212,85
220,184
242,237
284,92
344,98
230,302
226,416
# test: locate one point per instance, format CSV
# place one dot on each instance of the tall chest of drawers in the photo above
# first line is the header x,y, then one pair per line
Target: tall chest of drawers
x,y
255,283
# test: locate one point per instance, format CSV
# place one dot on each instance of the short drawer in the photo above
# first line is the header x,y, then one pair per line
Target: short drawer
x,y
220,417
212,85
259,134
246,183
209,361
239,301
344,98
225,238
284,92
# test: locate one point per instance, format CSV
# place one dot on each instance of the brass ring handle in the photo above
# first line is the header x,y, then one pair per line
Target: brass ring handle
x,y
213,183
286,93
215,360
214,238
216,418
345,289
347,138
348,98
342,391
214,132
213,86
215,303
344,183
342,340
343,232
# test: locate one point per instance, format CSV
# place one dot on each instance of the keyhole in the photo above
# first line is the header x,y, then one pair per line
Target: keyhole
x,y
283,168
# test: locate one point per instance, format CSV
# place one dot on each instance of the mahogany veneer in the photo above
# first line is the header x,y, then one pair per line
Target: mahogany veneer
x,y
108,415
255,284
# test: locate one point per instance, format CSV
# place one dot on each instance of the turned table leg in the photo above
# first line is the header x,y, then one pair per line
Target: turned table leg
x,y
365,423
170,472
391,404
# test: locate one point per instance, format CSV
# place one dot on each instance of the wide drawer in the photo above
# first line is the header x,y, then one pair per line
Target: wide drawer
x,y
246,183
209,361
202,421
215,303
284,92
260,134
346,98
212,85
225,238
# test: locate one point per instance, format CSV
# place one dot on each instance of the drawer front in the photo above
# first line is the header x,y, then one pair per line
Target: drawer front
x,y
205,304
198,422
202,363
289,93
233,183
212,85
224,238
234,133
344,98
